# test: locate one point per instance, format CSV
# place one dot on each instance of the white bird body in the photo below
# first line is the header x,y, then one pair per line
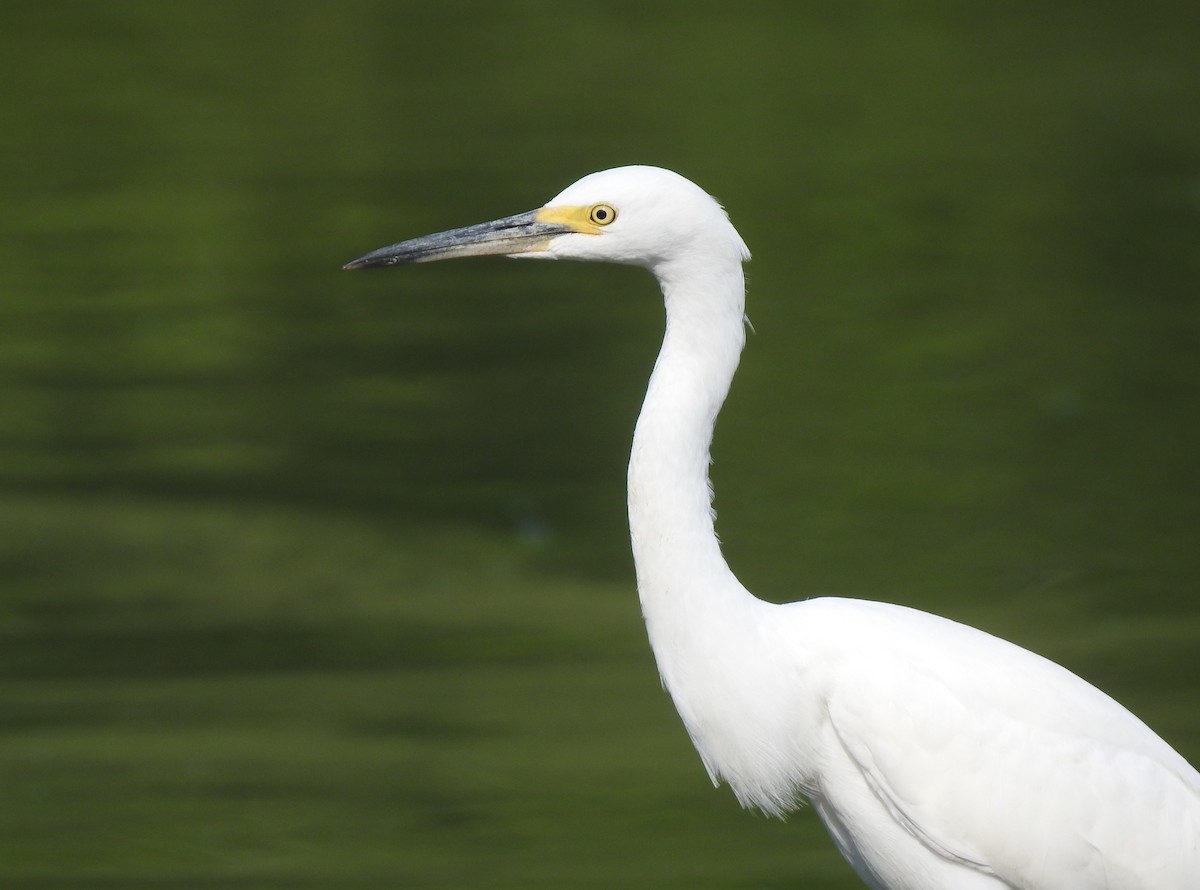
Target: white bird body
x,y
937,756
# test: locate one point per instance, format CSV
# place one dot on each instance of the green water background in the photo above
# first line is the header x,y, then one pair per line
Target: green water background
x,y
311,579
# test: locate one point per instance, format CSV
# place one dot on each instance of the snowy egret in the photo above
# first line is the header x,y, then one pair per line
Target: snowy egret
x,y
939,757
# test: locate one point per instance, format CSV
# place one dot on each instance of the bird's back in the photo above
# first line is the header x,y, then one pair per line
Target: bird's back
x,y
948,749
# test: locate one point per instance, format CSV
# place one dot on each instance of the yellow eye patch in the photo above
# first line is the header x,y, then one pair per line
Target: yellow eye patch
x,y
584,220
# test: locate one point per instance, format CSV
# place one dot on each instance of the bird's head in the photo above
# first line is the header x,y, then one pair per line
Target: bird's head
x,y
644,216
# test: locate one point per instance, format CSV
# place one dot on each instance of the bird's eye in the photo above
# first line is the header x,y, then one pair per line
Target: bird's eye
x,y
602,214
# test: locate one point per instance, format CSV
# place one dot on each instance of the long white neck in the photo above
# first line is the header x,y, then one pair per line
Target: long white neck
x,y
686,588
716,652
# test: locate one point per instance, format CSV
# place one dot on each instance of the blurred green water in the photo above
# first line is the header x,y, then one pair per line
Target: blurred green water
x,y
311,579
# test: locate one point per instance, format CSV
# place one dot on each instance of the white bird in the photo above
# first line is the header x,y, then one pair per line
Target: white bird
x,y
939,757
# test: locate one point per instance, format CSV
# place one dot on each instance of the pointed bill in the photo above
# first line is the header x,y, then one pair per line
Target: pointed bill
x,y
522,233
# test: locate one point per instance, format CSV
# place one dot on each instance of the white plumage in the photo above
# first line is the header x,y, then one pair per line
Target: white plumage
x,y
939,757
